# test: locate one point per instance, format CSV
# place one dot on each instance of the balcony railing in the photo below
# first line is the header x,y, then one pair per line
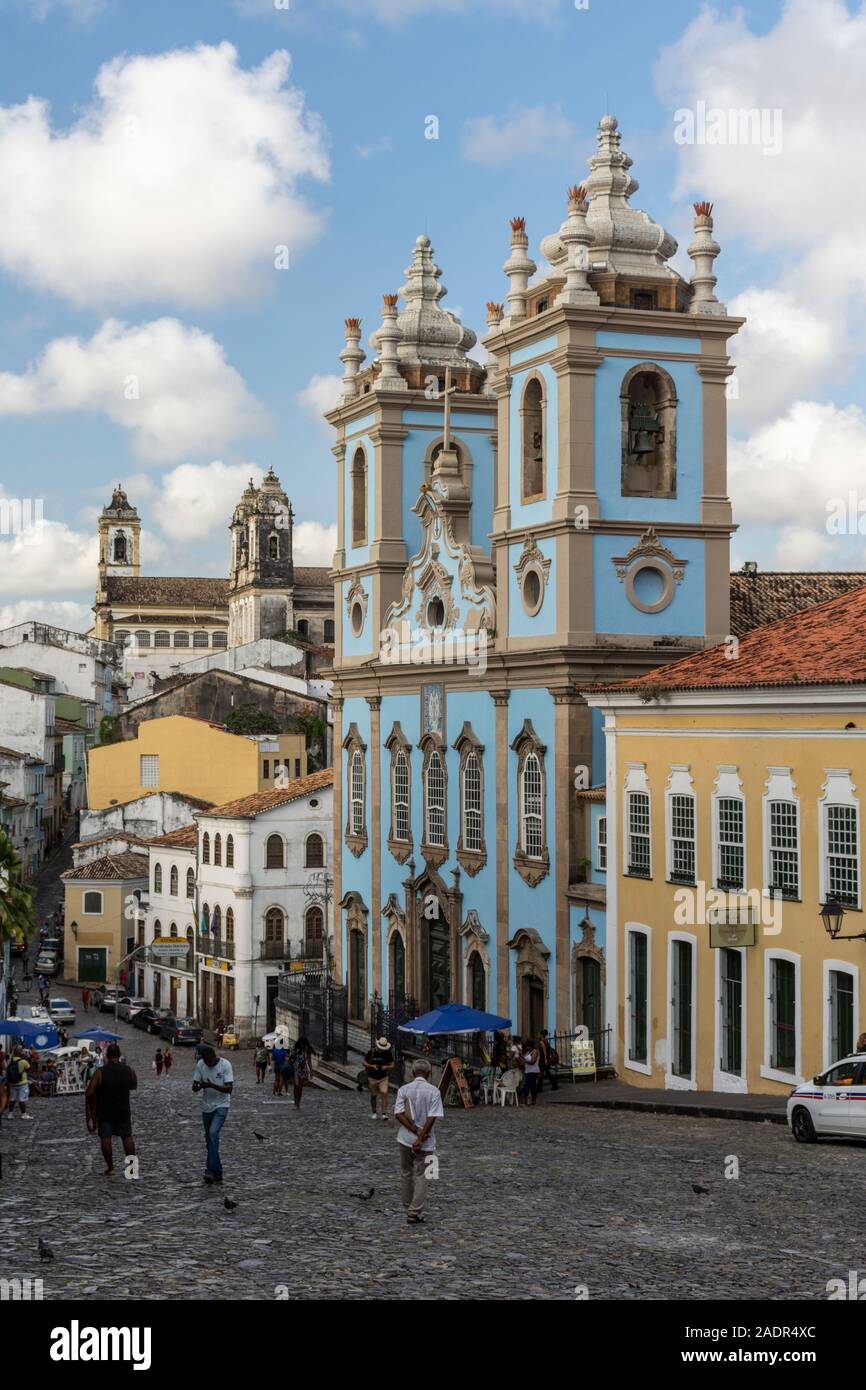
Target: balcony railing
x,y
216,946
274,950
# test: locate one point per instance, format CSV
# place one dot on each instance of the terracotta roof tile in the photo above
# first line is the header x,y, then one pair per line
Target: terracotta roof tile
x,y
257,802
162,589
112,867
822,645
108,837
763,597
184,838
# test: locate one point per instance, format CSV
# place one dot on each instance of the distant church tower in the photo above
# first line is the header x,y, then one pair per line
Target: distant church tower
x,y
261,580
119,544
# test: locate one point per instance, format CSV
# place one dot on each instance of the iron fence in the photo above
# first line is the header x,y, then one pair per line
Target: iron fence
x,y
561,1044
322,1010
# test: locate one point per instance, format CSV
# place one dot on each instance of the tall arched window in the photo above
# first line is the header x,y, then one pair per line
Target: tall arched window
x,y
315,852
157,878
471,803
217,921
531,807
173,881
190,883
532,441
329,630
531,857
205,848
230,851
359,497
273,547
356,791
435,800
218,849
274,924
230,924
274,854
314,929
401,796
120,548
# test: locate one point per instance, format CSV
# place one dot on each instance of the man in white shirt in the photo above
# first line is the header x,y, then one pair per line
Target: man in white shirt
x,y
416,1109
213,1076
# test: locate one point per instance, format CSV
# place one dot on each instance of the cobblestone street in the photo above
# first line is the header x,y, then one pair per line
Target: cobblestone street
x,y
529,1203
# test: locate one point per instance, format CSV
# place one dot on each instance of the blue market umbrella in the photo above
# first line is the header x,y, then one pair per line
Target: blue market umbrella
x,y
40,1034
99,1035
456,1018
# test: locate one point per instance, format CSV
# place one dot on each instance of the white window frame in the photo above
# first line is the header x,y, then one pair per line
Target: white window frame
x,y
357,817
635,781
768,1072
838,790
439,806
601,845
846,968
679,783
85,912
477,807
690,1082
780,786
726,1080
638,929
404,804
728,787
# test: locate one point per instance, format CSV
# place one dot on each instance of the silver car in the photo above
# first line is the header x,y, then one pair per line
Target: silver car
x,y
60,1011
129,1006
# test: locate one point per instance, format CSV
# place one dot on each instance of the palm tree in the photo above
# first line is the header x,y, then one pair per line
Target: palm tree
x,y
16,899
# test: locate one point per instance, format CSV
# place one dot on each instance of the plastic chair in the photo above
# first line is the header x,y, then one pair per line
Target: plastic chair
x,y
507,1085
489,1079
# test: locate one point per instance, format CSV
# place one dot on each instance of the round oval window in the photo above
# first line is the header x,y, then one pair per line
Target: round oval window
x,y
435,612
532,591
649,585
357,619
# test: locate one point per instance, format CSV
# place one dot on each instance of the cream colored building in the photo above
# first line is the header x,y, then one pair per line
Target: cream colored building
x,y
100,917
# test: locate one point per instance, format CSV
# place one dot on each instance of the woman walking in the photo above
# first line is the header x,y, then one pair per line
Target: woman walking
x,y
301,1059
260,1058
158,1062
167,1060
531,1071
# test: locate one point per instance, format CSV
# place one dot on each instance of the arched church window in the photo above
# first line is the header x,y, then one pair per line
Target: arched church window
x,y
356,791
648,403
531,855
471,848
359,498
329,630
273,547
303,627
120,551
435,800
532,441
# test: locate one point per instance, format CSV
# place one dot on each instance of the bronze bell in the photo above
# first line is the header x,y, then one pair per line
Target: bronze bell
x,y
643,443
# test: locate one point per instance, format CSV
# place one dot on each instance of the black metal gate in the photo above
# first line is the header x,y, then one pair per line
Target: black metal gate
x,y
322,1010
385,1020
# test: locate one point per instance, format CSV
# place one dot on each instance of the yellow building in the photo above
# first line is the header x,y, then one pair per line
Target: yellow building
x,y
100,917
184,754
734,782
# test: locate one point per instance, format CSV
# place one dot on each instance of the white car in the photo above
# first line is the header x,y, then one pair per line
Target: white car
x,y
832,1103
60,1011
62,1054
131,1005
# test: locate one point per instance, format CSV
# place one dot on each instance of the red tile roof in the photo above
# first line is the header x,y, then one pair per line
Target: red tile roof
x,y
822,645
184,838
112,867
255,804
107,838
763,597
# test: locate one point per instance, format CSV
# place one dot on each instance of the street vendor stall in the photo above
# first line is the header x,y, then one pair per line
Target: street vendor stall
x,y
459,1083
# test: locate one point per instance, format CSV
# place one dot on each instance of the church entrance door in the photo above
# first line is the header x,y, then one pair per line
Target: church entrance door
x,y
439,960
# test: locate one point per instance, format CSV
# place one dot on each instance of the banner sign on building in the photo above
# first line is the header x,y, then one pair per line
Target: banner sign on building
x,y
733,926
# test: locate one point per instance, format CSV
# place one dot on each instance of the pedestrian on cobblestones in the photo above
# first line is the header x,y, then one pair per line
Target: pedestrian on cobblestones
x,y
107,1102
167,1060
279,1057
158,1062
85,1000
531,1071
18,1079
416,1109
214,1078
301,1061
260,1058
379,1063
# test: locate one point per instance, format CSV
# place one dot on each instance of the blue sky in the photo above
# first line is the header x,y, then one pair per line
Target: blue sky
x,y
146,336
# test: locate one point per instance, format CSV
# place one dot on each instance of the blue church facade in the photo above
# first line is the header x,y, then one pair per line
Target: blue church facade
x,y
509,535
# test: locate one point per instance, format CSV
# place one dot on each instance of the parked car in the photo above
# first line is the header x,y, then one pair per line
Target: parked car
x,y
834,1102
60,1011
46,964
129,1006
180,1031
109,998
149,1020
53,945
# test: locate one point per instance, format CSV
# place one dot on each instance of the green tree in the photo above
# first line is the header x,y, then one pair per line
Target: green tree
x,y
16,899
250,719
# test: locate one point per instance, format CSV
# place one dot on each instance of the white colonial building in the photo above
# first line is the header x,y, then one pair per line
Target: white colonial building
x,y
171,911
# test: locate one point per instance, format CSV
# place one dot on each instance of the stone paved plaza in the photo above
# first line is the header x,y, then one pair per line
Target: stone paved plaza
x,y
529,1203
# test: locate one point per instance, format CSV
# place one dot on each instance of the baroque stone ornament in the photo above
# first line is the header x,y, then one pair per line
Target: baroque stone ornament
x,y
531,557
430,576
356,593
650,553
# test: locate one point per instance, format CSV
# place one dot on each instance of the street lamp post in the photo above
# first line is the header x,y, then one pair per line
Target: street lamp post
x,y
832,915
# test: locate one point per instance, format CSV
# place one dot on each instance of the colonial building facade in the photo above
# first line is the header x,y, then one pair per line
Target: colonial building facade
x,y
507,535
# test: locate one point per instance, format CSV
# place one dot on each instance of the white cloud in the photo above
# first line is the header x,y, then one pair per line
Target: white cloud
x,y
378,146
542,131
48,558
77,617
169,384
198,499
313,543
177,182
801,207
321,393
797,473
